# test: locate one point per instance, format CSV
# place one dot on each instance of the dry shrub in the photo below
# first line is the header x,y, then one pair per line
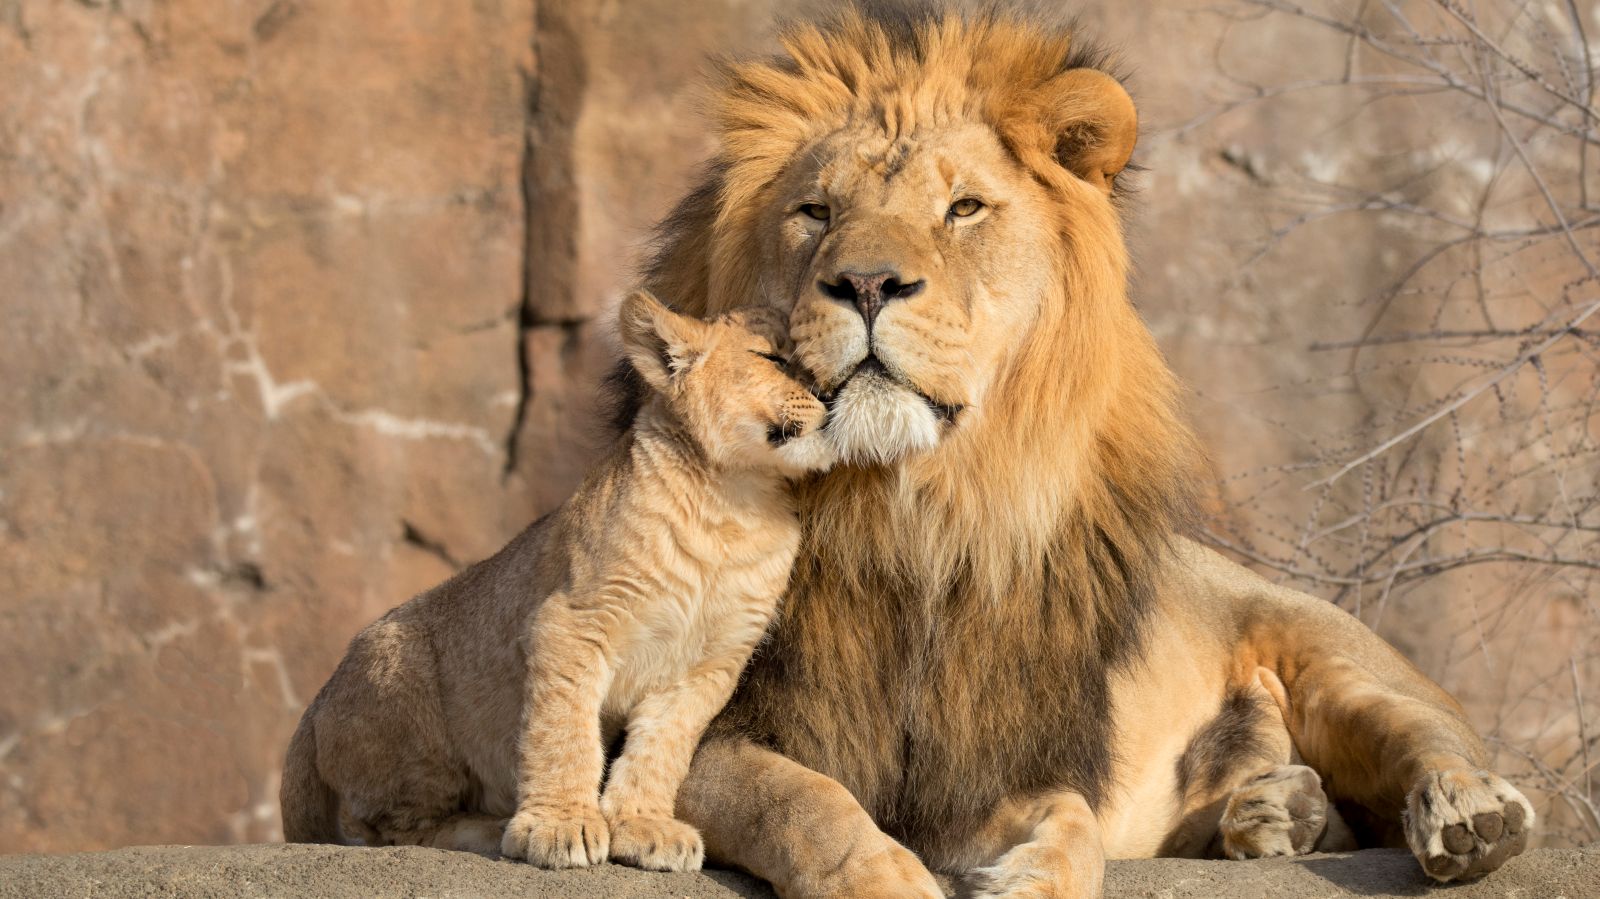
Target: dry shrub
x,y
1463,507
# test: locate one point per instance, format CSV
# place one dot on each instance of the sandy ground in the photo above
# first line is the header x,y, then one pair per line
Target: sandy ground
x,y
325,872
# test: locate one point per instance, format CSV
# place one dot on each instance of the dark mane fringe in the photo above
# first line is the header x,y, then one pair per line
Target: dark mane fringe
x,y
622,392
906,23
670,253
936,684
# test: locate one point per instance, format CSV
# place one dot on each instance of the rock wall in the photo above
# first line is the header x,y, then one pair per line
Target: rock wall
x,y
303,310
263,269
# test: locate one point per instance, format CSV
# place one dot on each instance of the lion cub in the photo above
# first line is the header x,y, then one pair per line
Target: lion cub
x,y
633,607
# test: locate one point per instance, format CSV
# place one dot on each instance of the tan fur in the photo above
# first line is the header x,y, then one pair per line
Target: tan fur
x,y
1034,847
995,651
1378,735
634,607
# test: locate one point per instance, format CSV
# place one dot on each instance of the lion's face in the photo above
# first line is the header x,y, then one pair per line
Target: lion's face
x,y
933,211
914,269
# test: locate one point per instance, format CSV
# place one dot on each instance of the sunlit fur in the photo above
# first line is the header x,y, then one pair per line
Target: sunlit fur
x,y
632,607
1030,532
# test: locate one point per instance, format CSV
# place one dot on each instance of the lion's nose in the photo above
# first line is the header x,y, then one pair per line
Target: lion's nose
x,y
870,292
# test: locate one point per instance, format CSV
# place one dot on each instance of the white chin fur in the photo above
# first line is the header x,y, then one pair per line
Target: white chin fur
x,y
875,421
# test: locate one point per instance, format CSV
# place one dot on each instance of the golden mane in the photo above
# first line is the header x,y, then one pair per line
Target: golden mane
x,y
1032,533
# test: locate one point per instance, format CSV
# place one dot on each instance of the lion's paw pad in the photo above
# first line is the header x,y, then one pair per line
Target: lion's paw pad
x,y
656,844
1280,812
557,838
1462,824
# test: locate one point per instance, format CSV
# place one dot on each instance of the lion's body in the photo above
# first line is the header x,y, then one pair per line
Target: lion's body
x,y
997,648
632,607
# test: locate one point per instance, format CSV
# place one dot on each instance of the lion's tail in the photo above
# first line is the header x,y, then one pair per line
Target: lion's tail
x,y
310,807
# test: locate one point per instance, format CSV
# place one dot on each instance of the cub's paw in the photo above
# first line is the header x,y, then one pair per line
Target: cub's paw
x,y
1280,812
656,844
1462,824
565,837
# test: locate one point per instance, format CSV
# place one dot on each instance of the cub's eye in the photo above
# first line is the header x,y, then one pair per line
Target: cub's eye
x,y
965,207
817,211
775,359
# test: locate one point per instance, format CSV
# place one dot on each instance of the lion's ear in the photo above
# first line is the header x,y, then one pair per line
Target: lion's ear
x,y
1093,122
660,343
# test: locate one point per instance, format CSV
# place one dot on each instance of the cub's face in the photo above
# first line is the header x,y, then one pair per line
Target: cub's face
x,y
727,383
914,269
745,408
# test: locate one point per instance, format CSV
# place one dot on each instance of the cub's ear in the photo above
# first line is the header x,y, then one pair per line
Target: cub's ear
x,y
1088,123
763,321
660,343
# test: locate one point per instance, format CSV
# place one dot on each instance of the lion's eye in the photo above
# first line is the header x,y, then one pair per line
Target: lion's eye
x,y
965,207
817,211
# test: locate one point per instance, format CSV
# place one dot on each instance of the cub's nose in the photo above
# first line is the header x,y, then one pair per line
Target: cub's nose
x,y
800,414
870,292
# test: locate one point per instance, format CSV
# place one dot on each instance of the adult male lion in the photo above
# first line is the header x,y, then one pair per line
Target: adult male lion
x,y
996,649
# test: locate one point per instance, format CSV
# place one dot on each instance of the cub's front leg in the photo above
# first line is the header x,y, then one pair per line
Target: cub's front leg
x,y
640,797
561,756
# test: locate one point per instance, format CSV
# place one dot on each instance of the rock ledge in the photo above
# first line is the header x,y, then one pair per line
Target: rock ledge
x,y
331,872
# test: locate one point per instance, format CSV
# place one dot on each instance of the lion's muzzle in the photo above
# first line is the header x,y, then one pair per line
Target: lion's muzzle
x,y
876,418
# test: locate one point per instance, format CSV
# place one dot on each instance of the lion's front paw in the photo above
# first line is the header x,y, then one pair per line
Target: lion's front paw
x,y
566,837
1463,824
1030,872
656,844
1280,812
894,873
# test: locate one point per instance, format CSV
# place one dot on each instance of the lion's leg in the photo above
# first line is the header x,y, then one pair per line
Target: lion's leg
x,y
1384,736
561,756
1281,811
1244,793
1043,848
800,830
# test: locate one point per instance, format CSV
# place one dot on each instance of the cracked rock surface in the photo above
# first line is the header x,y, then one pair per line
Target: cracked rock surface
x,y
262,293
327,872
